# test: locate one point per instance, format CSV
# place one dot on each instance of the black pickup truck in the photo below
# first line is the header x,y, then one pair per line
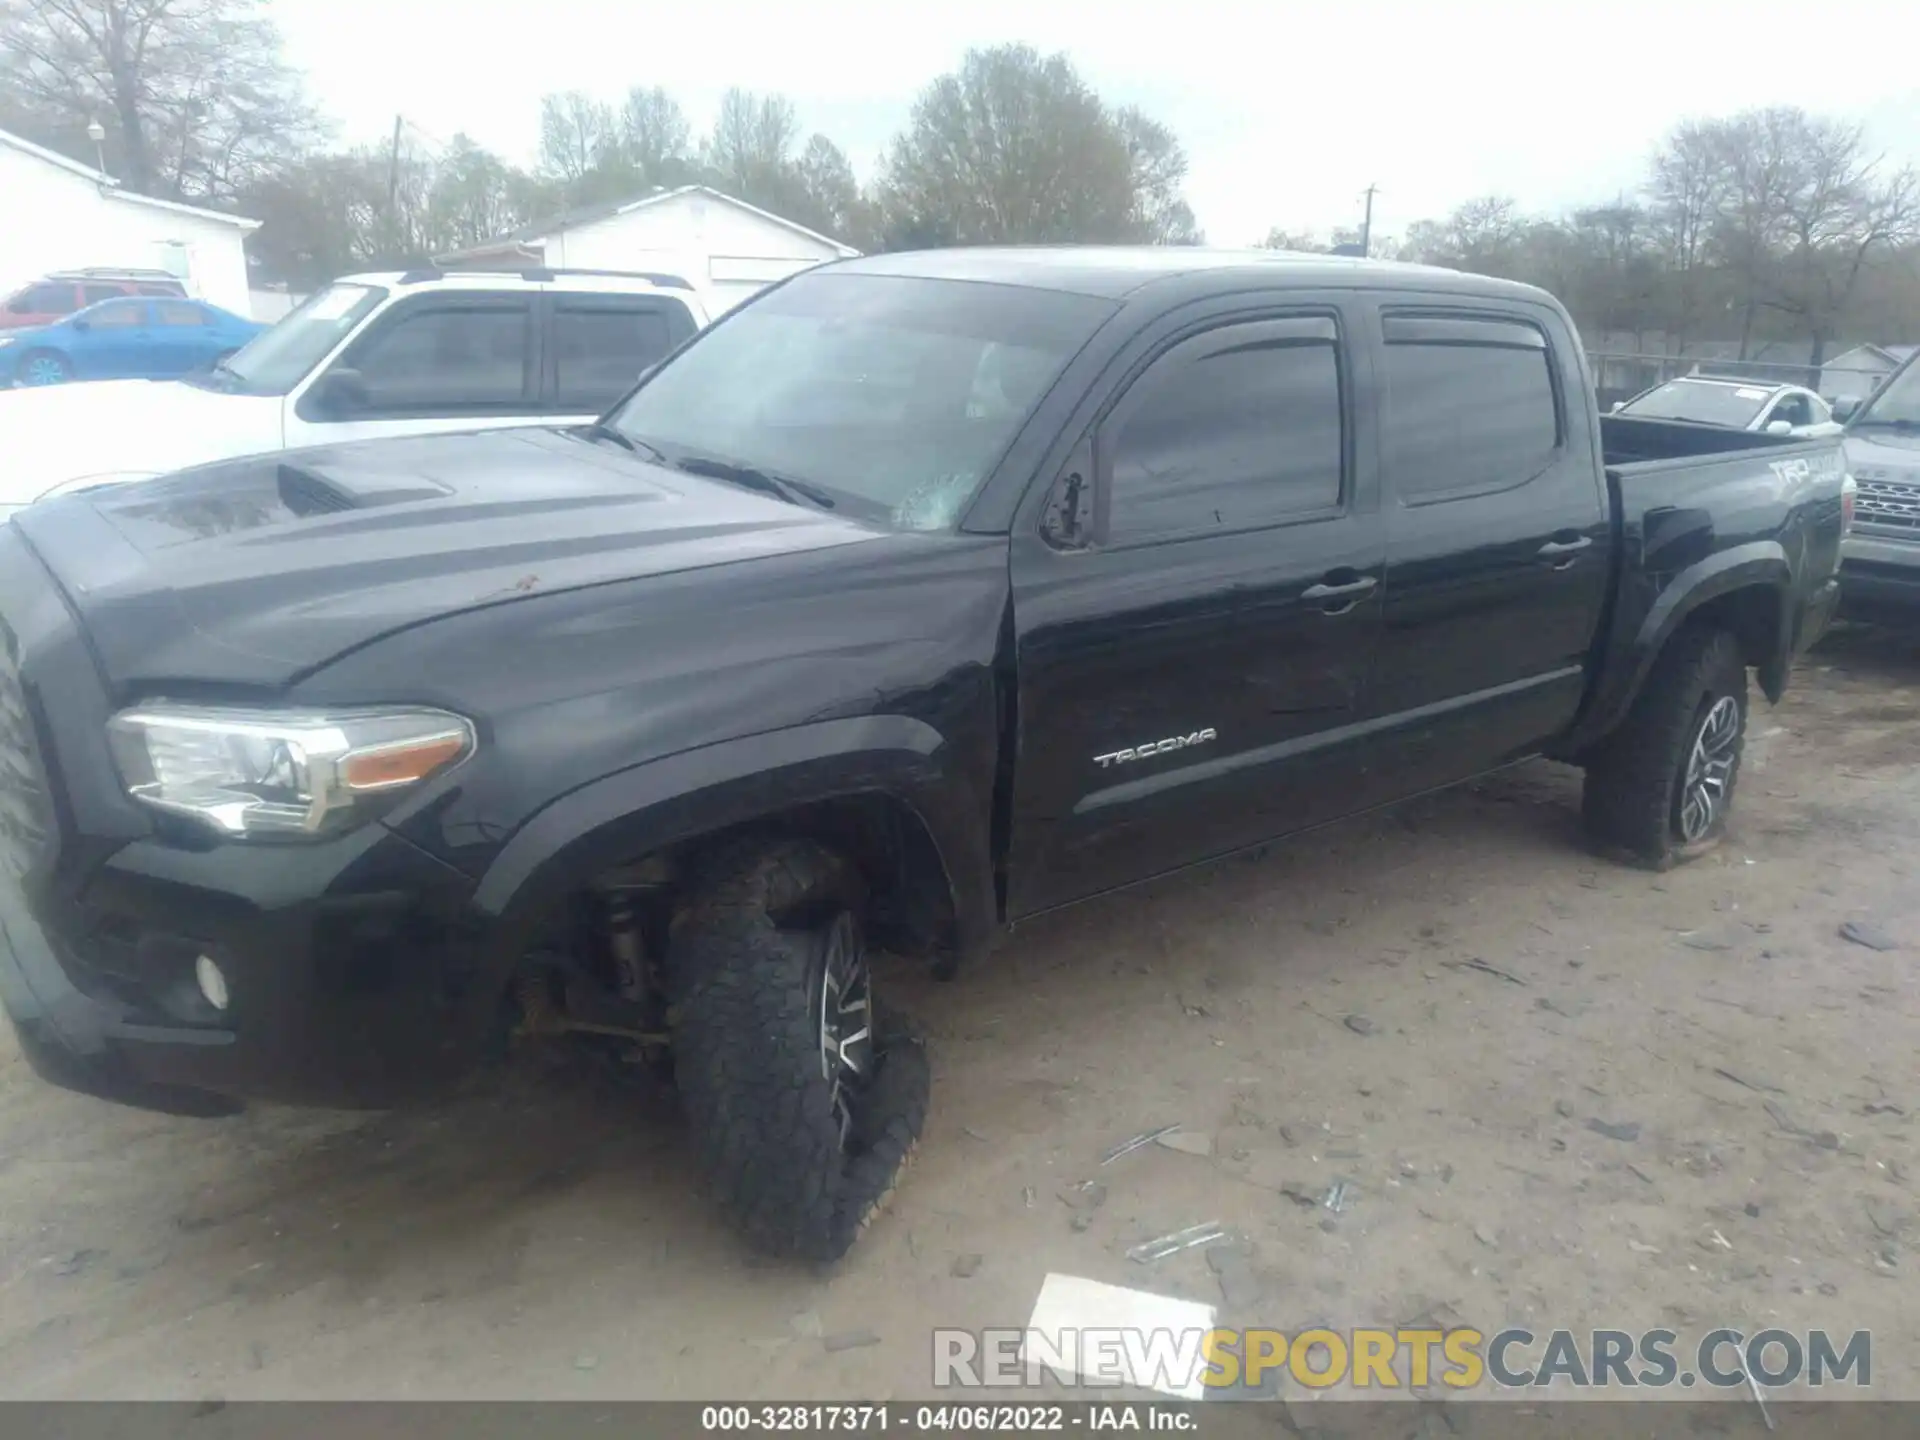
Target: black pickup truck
x,y
918,596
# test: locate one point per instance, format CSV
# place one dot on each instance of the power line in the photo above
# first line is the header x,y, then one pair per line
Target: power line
x,y
434,142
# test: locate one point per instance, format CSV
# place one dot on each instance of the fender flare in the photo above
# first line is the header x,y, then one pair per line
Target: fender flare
x,y
734,782
1759,564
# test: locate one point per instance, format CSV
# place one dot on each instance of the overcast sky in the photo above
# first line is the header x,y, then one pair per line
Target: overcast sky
x,y
1287,111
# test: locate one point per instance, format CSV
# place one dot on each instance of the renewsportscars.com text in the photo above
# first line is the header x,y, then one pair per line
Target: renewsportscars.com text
x,y
1461,1359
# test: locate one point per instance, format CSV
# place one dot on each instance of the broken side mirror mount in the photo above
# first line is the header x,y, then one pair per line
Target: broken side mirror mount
x,y
1067,523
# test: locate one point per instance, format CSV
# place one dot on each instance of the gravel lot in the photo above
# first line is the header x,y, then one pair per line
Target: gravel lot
x,y
1442,1006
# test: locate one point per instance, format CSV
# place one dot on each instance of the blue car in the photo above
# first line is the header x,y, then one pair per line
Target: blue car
x,y
125,339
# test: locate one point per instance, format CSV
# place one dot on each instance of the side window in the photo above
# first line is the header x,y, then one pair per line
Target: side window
x,y
442,358
46,300
94,294
1232,430
600,348
118,315
179,312
1794,410
1471,405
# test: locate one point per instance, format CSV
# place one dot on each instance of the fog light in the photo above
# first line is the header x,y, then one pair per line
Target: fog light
x,y
213,984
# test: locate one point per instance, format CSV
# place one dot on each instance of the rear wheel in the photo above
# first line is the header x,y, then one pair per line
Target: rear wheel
x,y
1660,788
44,367
804,1099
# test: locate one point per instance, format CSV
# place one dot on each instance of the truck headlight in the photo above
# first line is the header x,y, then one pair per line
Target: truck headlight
x,y
279,773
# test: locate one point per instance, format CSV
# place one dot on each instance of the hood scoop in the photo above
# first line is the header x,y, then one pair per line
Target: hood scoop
x,y
257,495
305,493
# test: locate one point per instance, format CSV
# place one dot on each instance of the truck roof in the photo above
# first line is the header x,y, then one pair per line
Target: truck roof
x,y
1116,271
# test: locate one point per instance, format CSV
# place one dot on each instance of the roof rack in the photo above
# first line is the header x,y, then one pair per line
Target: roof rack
x,y
542,273
1727,377
116,272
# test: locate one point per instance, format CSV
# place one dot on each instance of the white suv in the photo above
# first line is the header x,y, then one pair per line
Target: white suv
x,y
367,357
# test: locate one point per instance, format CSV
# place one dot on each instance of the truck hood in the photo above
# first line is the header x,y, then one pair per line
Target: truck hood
x,y
253,572
52,435
1876,454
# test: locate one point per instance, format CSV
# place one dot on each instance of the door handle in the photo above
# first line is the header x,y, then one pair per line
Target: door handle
x,y
1324,591
1565,547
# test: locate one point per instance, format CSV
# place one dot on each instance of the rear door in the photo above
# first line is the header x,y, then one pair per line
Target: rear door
x,y
446,360
42,304
184,337
597,345
1187,673
1497,533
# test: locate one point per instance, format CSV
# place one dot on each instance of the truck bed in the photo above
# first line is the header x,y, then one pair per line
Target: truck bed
x,y
1626,440
1692,499
1665,475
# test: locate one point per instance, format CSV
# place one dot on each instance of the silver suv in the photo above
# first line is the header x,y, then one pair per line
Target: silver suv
x,y
1880,576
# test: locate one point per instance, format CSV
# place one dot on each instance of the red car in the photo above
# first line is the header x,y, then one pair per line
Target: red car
x,y
56,296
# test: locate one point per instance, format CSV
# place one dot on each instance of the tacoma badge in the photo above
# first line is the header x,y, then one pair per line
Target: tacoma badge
x,y
1156,747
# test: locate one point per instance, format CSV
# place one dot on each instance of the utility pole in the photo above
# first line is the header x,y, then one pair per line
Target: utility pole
x,y
1366,225
393,168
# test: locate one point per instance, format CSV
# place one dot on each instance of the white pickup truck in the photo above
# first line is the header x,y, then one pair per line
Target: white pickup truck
x,y
367,357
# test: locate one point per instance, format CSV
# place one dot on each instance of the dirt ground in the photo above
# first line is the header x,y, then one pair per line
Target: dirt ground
x,y
1430,1004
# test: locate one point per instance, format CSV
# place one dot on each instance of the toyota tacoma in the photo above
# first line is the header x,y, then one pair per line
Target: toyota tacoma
x,y
920,595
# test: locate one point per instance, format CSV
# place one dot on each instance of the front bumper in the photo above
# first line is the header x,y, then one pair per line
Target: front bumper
x,y
351,978
1821,612
1879,578
356,971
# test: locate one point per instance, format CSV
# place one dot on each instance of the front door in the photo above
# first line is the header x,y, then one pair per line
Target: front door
x,y
116,343
1184,678
183,337
450,360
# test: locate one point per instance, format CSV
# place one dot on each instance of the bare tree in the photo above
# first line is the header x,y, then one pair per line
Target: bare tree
x,y
829,195
1483,235
655,139
1161,213
470,198
1755,156
1343,238
750,152
1014,146
1686,190
577,133
1305,241
1839,212
193,95
317,216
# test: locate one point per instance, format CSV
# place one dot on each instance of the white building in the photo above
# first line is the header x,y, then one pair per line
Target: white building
x,y
62,215
724,247
1860,371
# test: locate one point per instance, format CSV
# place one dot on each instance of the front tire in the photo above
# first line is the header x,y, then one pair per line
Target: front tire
x,y
804,1104
44,367
1659,789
